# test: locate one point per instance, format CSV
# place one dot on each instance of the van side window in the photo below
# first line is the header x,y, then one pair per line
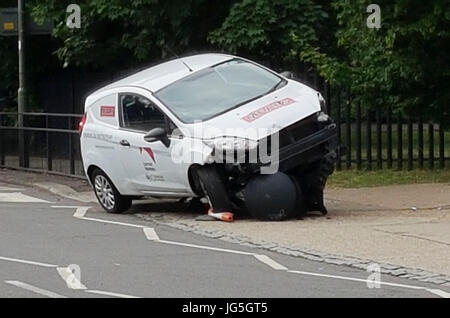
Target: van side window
x,y
138,113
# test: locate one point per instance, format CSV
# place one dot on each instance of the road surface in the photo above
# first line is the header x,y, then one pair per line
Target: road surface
x,y
54,247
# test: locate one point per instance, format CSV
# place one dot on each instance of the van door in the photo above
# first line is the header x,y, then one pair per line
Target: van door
x,y
149,166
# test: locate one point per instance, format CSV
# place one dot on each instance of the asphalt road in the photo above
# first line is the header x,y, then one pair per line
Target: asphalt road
x,y
44,239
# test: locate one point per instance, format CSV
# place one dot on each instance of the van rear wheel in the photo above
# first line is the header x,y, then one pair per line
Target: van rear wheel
x,y
107,195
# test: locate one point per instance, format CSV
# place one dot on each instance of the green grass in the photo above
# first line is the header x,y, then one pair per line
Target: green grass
x,y
358,179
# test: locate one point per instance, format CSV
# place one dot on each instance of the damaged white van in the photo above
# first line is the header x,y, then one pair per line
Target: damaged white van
x,y
210,126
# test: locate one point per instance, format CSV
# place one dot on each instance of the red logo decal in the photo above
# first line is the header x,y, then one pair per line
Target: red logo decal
x,y
149,151
267,109
107,111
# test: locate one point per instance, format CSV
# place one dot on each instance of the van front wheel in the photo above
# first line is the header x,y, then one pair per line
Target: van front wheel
x,y
107,195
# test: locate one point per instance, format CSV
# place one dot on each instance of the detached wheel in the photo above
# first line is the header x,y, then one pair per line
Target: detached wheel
x,y
107,195
271,197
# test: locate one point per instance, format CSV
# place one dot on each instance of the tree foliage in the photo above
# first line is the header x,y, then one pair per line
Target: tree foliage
x,y
114,31
404,64
267,28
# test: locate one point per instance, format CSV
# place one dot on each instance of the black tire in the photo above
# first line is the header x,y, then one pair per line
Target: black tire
x,y
317,177
301,204
313,183
214,189
107,195
271,197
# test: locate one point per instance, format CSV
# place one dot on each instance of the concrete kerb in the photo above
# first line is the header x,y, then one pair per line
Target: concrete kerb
x,y
66,192
309,254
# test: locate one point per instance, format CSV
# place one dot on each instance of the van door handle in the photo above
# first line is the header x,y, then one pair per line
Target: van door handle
x,y
125,143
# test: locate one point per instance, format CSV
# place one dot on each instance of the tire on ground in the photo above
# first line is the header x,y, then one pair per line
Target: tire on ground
x,y
271,197
213,188
121,203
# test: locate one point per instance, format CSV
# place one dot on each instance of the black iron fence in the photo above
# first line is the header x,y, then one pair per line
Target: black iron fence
x,y
384,139
51,143
381,138
372,139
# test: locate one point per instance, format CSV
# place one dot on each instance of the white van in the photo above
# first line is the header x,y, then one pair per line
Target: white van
x,y
194,127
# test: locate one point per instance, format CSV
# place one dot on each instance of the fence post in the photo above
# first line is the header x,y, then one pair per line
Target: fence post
x,y
420,141
2,151
49,147
328,97
349,129
441,141
431,145
410,143
26,148
316,81
369,140
399,141
338,123
379,141
358,137
389,138
71,159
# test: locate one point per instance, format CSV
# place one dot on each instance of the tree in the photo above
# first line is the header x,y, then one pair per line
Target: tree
x,y
9,64
404,64
126,33
270,29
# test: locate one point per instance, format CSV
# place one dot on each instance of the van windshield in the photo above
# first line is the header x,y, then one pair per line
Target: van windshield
x,y
216,90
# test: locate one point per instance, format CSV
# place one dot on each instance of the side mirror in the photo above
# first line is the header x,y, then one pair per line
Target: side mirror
x,y
158,134
288,74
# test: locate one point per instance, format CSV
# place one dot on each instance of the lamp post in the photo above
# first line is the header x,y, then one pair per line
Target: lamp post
x,y
21,97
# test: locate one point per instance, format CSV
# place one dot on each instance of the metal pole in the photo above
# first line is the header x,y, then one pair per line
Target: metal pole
x,y
21,98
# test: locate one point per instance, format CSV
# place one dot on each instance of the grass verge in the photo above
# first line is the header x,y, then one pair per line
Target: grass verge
x,y
376,178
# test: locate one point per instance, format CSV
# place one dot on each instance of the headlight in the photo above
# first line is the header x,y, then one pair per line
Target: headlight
x,y
231,144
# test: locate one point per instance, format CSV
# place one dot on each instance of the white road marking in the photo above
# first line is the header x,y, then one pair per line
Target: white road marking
x,y
100,292
34,289
112,222
206,247
81,212
439,292
17,197
151,234
270,262
70,279
66,207
353,279
15,260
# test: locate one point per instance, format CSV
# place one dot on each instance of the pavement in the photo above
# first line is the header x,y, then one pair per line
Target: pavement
x,y
160,254
406,226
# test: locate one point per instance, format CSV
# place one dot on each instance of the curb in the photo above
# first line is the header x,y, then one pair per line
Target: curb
x,y
309,254
66,192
